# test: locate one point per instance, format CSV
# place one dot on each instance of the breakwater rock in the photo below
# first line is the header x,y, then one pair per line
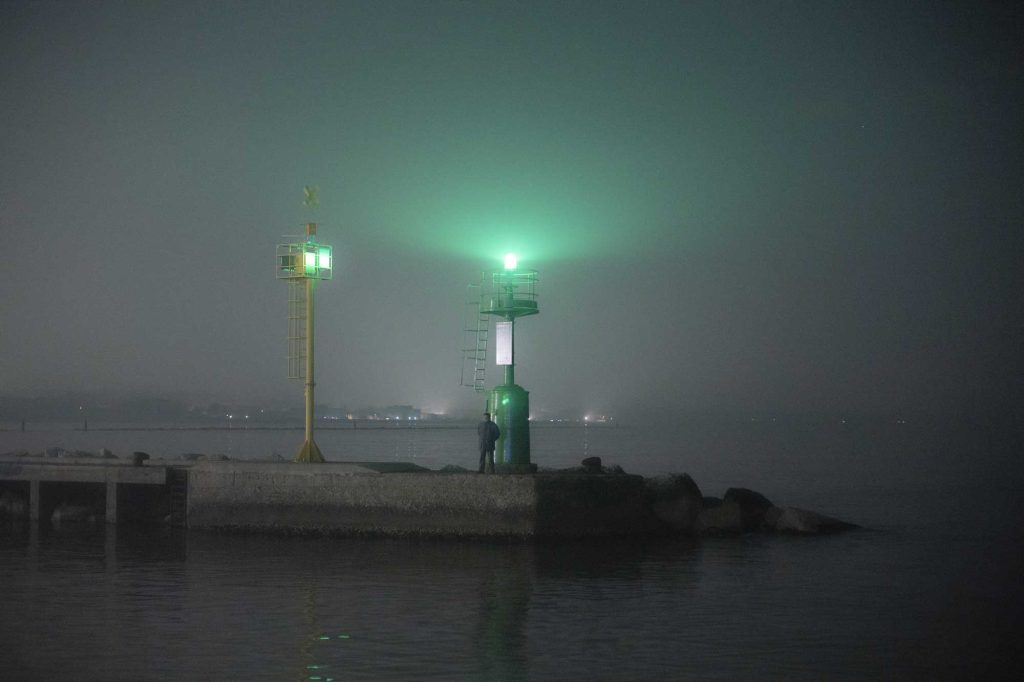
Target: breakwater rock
x,y
674,504
681,508
12,506
68,514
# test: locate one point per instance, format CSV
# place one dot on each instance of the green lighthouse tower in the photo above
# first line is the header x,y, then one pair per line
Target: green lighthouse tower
x,y
508,294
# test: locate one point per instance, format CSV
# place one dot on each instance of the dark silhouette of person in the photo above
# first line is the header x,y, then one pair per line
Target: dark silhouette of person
x,y
488,433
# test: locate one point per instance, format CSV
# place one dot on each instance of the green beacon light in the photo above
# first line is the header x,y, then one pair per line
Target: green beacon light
x,y
510,261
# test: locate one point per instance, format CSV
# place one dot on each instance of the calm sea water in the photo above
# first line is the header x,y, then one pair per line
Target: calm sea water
x,y
931,589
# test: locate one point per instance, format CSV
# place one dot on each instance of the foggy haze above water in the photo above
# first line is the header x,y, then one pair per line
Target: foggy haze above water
x,y
754,210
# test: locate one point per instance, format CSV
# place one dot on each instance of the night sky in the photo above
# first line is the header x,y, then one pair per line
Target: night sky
x,y
749,206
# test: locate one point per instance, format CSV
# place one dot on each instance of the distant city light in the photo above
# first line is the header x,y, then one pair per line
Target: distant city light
x,y
510,261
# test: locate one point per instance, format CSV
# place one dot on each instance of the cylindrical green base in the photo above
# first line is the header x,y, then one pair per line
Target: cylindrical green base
x,y
510,405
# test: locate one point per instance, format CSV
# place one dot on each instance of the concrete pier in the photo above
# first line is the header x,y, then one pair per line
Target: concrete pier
x,y
354,498
343,498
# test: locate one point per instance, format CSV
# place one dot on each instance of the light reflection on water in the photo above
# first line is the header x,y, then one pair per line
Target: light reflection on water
x,y
161,604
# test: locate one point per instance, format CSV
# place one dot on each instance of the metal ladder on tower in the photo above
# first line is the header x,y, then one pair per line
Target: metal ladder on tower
x,y
296,329
475,328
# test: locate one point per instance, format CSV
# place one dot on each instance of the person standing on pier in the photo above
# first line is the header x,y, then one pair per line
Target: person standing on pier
x,y
488,433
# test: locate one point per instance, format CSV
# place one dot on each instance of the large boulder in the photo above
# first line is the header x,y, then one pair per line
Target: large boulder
x,y
452,469
753,506
589,465
724,519
72,514
12,505
675,501
804,522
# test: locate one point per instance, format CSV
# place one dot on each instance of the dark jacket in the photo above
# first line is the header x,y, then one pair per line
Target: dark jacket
x,y
488,433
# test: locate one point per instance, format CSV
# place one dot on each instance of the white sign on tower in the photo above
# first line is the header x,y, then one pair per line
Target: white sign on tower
x,y
503,343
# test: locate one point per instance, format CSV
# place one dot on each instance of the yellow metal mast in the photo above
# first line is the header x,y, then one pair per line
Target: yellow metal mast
x,y
307,261
309,452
